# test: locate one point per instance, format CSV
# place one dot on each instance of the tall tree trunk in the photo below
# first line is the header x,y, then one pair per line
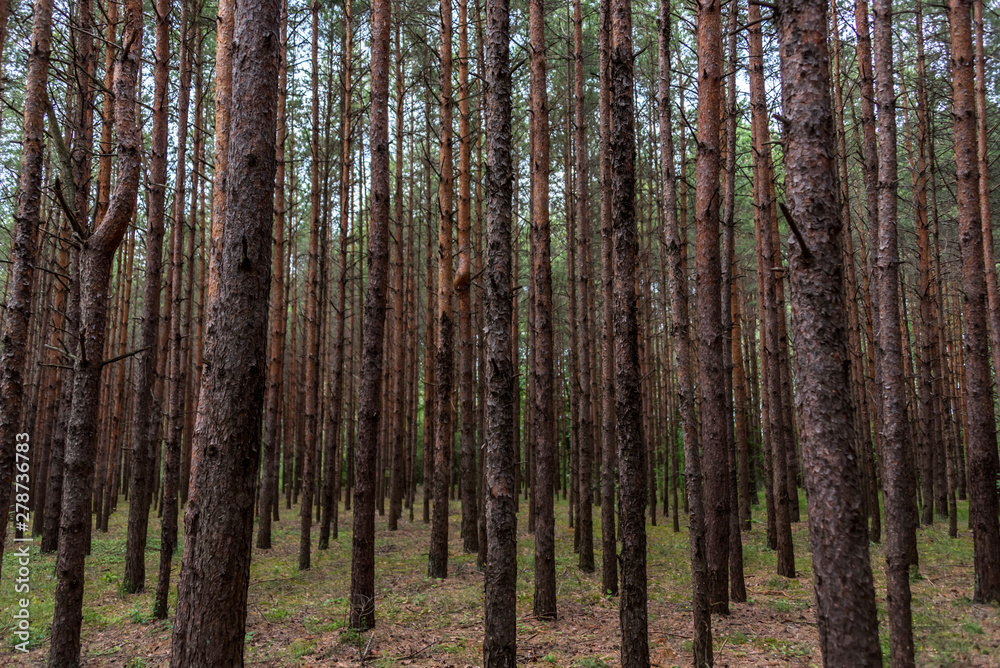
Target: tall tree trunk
x,y
212,589
609,449
676,250
363,555
583,264
542,371
500,640
463,284
628,397
764,210
845,592
15,449
312,338
176,373
97,251
895,443
980,431
278,307
437,566
708,267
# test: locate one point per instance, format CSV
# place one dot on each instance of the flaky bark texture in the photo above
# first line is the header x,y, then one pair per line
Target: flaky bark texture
x,y
628,396
708,266
500,637
370,391
845,592
544,457
980,430
17,316
212,589
437,563
96,256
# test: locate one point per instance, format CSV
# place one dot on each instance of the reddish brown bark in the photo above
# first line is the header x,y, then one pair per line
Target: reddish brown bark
x,y
895,441
708,266
437,566
177,371
980,429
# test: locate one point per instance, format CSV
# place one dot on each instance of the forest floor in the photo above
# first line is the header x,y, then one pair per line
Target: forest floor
x,y
298,618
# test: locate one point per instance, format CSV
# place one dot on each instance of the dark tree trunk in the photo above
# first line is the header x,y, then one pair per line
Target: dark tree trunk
x,y
500,640
15,448
363,555
609,448
463,285
583,264
895,441
628,393
437,565
212,588
676,252
845,592
980,430
278,308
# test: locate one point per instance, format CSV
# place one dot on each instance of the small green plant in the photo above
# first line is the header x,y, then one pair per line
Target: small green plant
x,y
301,647
591,663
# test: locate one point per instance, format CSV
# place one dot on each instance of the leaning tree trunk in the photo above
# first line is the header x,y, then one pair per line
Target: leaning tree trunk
x,y
845,591
212,589
96,254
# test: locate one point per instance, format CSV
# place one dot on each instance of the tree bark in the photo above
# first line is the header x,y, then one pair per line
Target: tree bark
x,y
628,397
500,639
15,450
363,555
437,566
542,371
845,592
608,446
212,589
583,264
96,254
980,428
